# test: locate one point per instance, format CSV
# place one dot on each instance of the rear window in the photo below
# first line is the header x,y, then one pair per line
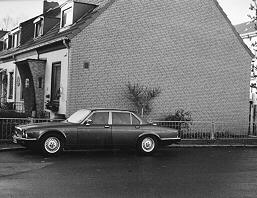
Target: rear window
x,y
121,118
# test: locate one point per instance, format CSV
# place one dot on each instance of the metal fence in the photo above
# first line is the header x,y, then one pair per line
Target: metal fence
x,y
187,130
208,130
16,106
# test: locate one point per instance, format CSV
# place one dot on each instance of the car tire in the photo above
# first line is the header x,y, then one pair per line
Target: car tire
x,y
147,145
51,144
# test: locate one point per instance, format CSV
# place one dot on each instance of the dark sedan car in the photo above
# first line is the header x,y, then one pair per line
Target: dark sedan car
x,y
96,128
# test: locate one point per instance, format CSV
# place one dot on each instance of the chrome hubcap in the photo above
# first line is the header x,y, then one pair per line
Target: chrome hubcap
x,y
52,144
148,144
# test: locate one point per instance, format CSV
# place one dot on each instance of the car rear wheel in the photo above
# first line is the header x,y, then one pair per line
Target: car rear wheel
x,y
147,145
51,144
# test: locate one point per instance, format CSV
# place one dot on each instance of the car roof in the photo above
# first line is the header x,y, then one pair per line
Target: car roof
x,y
110,109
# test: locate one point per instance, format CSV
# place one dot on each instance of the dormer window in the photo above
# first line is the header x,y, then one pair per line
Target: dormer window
x,y
72,11
67,17
38,27
5,44
16,39
9,41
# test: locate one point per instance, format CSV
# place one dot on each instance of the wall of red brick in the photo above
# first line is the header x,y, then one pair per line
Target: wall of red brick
x,y
187,48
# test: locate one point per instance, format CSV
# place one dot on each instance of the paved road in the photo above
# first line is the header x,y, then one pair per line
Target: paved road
x,y
177,172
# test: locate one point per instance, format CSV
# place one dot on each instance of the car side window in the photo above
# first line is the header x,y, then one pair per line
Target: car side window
x,y
121,118
100,118
135,121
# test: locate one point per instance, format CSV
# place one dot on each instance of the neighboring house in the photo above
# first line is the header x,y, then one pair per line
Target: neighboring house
x,y
84,52
2,33
248,32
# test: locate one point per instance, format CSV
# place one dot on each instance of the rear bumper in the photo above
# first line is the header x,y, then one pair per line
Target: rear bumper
x,y
169,141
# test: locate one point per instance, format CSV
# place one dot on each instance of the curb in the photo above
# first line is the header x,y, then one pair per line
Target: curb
x,y
11,148
211,145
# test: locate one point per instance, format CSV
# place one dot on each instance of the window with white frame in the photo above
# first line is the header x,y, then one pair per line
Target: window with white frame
x,y
16,39
38,27
5,43
67,17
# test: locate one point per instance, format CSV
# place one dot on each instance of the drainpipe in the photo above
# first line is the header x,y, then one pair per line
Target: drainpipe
x,y
15,84
15,78
65,43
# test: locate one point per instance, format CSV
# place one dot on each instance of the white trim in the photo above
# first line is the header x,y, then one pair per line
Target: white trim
x,y
2,70
38,19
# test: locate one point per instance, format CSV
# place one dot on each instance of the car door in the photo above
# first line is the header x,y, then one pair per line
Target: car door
x,y
125,128
97,132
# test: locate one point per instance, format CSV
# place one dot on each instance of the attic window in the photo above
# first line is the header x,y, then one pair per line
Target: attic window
x,y
38,27
16,39
67,17
5,43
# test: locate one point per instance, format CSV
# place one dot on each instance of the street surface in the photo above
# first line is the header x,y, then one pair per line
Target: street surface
x,y
176,172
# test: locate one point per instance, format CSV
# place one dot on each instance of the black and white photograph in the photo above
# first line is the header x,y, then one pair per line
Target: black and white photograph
x,y
128,98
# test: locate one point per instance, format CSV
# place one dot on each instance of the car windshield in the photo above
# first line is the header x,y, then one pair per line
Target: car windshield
x,y
78,116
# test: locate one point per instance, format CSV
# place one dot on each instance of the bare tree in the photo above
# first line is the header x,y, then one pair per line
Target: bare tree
x,y
253,17
8,23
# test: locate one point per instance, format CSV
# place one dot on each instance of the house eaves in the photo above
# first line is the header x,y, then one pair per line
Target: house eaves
x,y
234,29
34,47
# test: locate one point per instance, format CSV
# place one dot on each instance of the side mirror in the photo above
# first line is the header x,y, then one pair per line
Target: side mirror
x,y
88,122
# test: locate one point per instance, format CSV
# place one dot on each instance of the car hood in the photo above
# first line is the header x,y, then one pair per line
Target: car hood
x,y
44,125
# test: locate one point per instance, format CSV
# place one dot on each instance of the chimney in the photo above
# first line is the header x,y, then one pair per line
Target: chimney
x,y
48,5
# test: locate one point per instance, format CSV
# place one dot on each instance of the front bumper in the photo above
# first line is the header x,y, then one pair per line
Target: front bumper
x,y
23,141
169,141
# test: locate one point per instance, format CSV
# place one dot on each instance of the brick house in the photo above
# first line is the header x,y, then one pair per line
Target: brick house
x,y
93,48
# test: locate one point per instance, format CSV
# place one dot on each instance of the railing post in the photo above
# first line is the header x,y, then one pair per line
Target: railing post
x,y
31,120
212,130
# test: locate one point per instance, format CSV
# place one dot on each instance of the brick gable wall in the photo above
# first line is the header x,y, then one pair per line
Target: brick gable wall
x,y
187,48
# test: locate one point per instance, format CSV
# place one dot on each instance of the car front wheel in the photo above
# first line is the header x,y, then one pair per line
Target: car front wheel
x,y
51,144
147,145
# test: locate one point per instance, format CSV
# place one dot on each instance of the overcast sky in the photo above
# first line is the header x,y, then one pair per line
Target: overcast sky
x,y
236,10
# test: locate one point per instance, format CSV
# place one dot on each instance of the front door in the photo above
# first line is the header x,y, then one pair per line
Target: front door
x,y
97,132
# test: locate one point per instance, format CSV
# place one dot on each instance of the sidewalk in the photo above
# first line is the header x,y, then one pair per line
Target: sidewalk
x,y
7,146
249,142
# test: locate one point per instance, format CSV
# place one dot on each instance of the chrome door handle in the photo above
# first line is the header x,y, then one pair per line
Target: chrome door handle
x,y
106,126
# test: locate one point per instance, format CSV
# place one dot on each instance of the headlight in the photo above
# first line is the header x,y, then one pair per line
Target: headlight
x,y
24,134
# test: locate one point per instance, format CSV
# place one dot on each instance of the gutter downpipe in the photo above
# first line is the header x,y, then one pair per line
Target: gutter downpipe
x,y
15,79
65,43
